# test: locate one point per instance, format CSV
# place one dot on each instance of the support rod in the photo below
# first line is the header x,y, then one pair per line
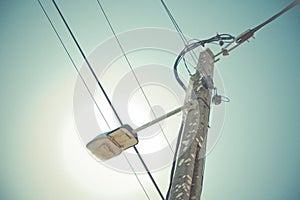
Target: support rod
x,y
169,114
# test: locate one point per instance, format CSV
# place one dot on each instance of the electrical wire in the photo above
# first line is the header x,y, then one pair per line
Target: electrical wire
x,y
136,176
182,36
186,67
180,32
190,47
87,61
143,92
102,89
250,32
66,50
290,6
175,159
72,61
131,68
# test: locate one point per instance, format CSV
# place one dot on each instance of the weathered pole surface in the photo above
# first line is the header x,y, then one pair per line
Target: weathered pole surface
x,y
188,177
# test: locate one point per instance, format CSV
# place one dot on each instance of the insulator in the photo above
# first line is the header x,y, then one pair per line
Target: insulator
x,y
217,99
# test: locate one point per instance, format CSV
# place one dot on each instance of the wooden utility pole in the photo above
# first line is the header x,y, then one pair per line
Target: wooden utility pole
x,y
188,177
187,180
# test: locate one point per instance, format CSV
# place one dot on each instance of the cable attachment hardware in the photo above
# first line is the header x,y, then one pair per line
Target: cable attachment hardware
x,y
218,99
225,52
208,82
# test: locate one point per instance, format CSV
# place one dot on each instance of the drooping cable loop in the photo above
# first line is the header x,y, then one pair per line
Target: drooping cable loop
x,y
192,46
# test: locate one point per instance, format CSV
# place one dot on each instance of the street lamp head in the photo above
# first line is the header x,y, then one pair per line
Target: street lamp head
x,y
110,144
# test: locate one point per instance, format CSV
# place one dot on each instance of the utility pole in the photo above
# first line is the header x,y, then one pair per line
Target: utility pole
x,y
188,177
187,180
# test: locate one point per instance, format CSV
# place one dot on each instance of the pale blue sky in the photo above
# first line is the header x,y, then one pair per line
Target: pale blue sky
x,y
257,156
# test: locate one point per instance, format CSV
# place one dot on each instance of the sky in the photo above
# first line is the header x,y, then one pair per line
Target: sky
x,y
45,111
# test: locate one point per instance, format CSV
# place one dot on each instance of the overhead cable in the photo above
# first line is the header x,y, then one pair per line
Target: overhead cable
x,y
78,71
144,94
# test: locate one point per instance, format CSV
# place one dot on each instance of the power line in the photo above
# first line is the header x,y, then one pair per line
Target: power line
x,y
187,49
66,50
175,159
132,169
182,36
102,89
144,94
245,36
293,4
192,46
180,32
131,68
87,61
72,61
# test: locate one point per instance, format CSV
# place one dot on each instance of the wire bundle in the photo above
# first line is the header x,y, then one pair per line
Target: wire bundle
x,y
221,38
